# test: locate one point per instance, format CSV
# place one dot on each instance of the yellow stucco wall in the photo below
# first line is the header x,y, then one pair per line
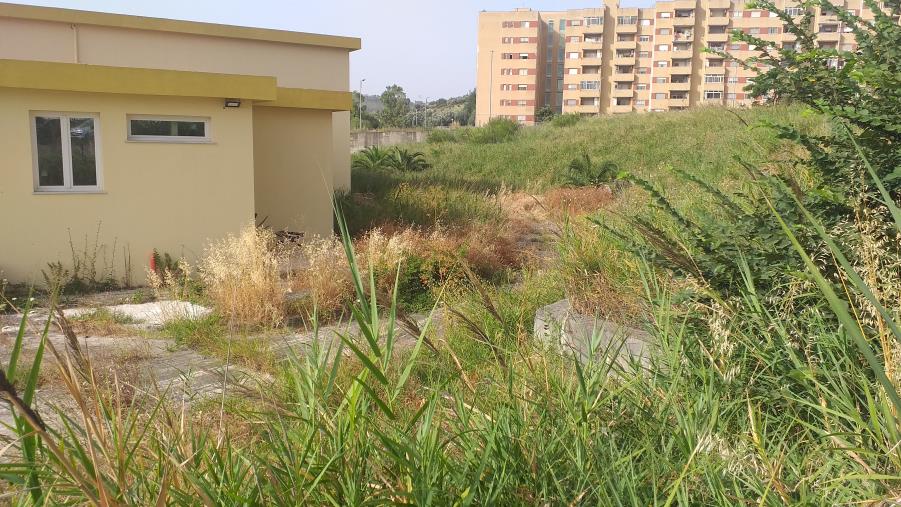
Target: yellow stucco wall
x,y
172,197
342,159
294,182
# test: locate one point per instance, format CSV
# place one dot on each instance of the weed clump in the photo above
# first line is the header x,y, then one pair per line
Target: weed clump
x,y
242,277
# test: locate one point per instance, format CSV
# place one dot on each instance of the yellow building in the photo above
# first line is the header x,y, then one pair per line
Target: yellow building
x,y
613,59
164,134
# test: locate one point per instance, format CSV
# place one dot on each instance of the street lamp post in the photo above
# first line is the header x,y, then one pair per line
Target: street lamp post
x,y
360,107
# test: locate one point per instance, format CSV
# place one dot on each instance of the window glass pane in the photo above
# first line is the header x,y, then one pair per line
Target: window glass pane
x,y
84,157
168,128
50,151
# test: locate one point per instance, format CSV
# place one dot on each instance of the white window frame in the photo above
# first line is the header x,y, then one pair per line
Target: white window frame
x,y
65,138
207,139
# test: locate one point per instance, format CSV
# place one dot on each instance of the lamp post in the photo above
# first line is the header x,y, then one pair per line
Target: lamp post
x,y
360,107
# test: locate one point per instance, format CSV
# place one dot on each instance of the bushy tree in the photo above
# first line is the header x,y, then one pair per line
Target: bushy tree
x,y
545,114
372,158
396,107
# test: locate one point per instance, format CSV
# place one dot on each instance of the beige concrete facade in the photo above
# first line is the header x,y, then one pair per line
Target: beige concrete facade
x,y
625,59
280,155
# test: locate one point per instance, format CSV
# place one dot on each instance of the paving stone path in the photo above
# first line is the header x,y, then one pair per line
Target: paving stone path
x,y
151,367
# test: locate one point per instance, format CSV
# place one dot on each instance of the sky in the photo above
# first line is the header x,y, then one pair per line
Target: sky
x,y
426,46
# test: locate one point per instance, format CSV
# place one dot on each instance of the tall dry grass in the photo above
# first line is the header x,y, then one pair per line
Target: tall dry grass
x,y
242,276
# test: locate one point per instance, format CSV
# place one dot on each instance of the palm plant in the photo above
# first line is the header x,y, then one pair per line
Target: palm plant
x,y
406,161
582,172
373,158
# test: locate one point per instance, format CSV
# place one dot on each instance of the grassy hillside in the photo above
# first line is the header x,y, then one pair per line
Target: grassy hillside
x,y
705,140
467,171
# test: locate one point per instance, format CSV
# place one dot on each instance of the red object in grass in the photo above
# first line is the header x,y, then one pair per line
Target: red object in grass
x,y
153,262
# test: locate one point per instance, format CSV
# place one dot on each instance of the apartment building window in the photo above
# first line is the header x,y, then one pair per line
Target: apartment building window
x,y
524,56
575,39
506,87
65,152
523,72
562,25
730,96
559,84
773,30
521,118
640,103
662,63
506,72
665,15
755,14
574,56
713,94
506,40
715,62
644,54
732,80
589,85
594,20
549,70
547,98
794,11
547,83
560,69
644,38
522,87
572,102
623,101
626,20
713,78
662,47
737,14
522,103
735,47
524,40
754,31
572,87
573,71
659,96
560,53
641,86
575,22
647,22
664,31
506,56
660,80
644,70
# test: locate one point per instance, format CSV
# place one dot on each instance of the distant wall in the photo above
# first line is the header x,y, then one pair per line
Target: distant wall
x,y
361,139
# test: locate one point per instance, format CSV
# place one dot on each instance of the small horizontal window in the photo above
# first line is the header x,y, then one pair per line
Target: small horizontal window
x,y
164,129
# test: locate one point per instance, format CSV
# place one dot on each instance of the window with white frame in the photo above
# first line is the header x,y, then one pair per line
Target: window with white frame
x,y
713,78
66,152
644,38
168,129
713,94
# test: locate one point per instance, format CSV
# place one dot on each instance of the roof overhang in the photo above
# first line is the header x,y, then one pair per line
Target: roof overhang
x,y
77,17
76,77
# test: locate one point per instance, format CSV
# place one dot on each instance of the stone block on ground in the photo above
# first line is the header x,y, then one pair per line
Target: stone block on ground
x,y
560,325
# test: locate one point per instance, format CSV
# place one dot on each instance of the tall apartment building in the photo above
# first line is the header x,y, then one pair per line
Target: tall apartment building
x,y
613,59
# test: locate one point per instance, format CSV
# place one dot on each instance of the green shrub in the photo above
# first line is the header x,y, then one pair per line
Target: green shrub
x,y
404,160
372,158
545,114
496,131
582,172
566,120
443,136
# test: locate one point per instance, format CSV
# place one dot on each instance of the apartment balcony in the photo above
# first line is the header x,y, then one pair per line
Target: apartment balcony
x,y
680,85
681,54
719,4
717,37
627,28
617,109
591,61
718,20
624,60
715,86
622,92
625,44
829,36
679,102
684,20
714,70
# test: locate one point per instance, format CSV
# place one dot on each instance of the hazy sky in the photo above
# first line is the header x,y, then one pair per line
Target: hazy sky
x,y
426,46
